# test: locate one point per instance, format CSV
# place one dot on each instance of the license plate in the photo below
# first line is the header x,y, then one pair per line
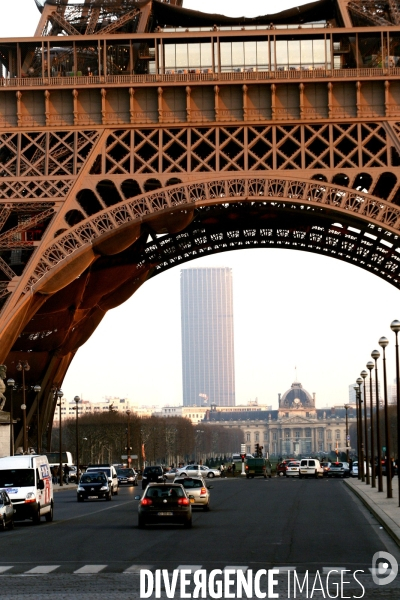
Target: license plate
x,y
92,497
165,514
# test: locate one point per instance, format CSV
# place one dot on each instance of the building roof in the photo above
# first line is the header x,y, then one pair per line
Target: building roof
x,y
297,397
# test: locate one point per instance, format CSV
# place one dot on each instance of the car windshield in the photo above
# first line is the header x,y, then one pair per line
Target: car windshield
x,y
191,483
153,470
17,478
93,478
126,472
337,465
165,492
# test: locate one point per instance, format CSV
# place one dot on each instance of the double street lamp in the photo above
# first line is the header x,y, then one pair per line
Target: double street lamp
x,y
360,431
347,406
59,395
24,366
11,384
128,438
364,374
395,327
383,342
370,366
375,355
77,400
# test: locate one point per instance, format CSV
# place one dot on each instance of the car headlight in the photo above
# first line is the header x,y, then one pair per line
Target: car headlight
x,y
80,489
30,497
144,477
104,488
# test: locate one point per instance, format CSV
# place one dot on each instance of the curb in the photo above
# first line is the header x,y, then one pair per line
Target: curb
x,y
64,488
380,515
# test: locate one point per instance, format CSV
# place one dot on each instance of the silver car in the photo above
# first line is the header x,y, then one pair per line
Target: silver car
x,y
198,471
196,487
6,511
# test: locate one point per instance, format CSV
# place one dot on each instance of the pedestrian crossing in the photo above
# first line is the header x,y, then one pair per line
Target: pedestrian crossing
x,y
135,569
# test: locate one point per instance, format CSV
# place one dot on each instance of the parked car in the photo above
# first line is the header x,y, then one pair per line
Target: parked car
x,y
111,474
197,487
165,503
339,469
282,466
6,511
293,468
127,476
94,485
153,474
326,467
310,467
72,475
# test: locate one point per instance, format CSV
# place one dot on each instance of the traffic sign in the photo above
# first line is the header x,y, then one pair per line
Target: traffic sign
x,y
242,448
125,456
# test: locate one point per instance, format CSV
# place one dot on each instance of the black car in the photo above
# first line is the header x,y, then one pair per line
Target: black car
x,y
165,503
152,475
127,476
93,485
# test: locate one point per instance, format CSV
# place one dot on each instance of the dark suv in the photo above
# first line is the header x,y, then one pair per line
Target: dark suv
x,y
152,475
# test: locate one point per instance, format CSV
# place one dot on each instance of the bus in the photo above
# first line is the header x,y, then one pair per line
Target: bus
x,y
54,458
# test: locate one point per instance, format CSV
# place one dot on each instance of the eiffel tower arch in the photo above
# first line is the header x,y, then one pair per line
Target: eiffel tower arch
x,y
136,137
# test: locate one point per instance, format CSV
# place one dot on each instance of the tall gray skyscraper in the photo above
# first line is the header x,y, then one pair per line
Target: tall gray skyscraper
x,y
207,337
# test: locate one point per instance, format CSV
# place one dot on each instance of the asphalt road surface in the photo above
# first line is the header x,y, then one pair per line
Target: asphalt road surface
x,y
305,527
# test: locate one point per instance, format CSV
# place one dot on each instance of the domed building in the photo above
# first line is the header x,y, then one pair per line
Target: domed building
x,y
297,428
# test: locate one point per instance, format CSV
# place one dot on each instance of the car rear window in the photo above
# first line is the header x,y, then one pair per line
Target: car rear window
x,y
153,470
190,483
164,492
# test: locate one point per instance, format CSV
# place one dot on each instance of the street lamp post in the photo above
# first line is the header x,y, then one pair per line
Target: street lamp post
x,y
59,395
361,459
77,400
383,342
375,355
364,374
11,383
37,389
24,366
370,366
347,433
395,326
128,438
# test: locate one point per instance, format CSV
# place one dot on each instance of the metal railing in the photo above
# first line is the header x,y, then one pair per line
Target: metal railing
x,y
291,73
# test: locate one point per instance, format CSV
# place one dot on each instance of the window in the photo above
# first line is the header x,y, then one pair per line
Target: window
x,y
274,436
329,434
247,437
338,434
248,449
297,434
308,432
321,434
257,437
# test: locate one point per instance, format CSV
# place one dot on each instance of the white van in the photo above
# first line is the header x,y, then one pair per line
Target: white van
x,y
310,467
27,481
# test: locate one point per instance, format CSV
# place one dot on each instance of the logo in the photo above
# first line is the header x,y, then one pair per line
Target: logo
x,y
384,568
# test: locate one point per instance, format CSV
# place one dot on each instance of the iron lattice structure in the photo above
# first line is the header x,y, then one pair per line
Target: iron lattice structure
x,y
135,136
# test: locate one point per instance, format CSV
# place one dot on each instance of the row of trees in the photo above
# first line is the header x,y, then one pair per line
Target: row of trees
x,y
104,438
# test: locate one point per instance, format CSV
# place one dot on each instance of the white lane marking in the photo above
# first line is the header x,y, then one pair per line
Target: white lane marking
x,y
137,568
327,569
189,567
87,569
42,570
4,569
236,568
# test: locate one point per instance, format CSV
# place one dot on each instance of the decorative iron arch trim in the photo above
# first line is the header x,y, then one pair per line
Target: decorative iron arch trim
x,y
225,189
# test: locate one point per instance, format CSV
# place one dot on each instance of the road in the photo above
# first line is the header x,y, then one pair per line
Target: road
x,y
95,550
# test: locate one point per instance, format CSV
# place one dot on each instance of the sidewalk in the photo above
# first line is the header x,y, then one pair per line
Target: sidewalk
x,y
65,486
386,510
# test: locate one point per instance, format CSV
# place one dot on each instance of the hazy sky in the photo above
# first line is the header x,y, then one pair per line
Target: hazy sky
x,y
291,309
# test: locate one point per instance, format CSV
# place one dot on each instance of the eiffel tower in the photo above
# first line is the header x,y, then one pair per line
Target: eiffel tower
x,y
136,136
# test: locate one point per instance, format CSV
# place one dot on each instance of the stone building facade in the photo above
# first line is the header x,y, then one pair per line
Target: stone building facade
x,y
297,427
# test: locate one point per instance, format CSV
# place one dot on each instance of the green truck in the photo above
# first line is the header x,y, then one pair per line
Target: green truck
x,y
258,467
